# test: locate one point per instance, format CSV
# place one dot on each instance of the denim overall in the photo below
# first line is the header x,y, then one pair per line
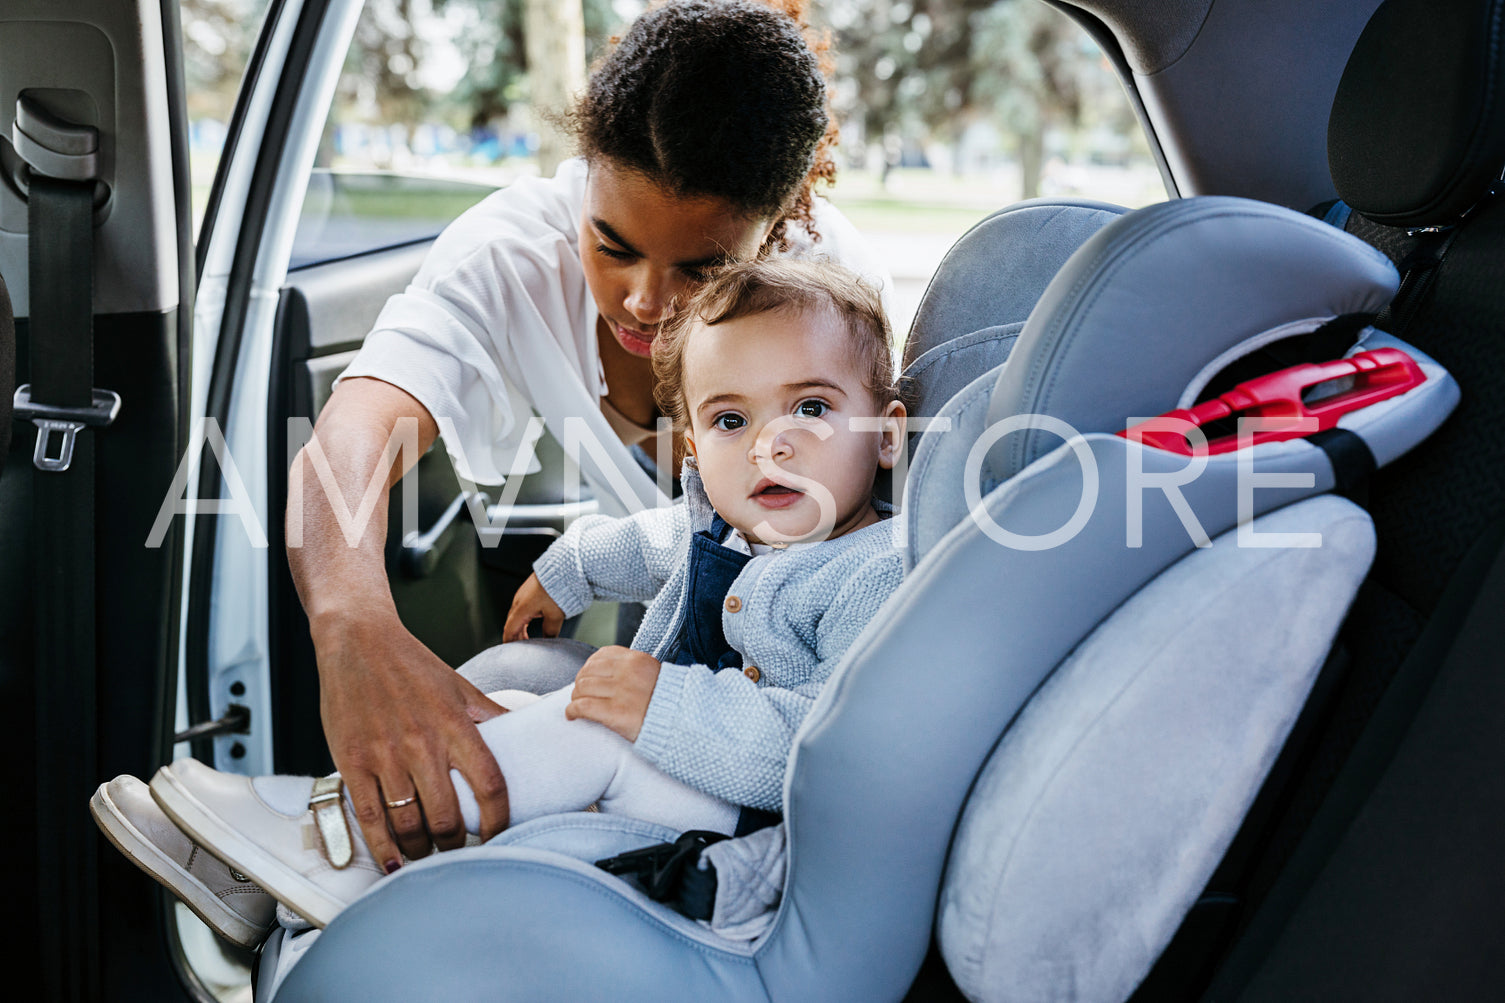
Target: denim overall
x,y
701,640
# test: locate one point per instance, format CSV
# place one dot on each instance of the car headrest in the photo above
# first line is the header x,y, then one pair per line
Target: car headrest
x,y
1417,130
1155,304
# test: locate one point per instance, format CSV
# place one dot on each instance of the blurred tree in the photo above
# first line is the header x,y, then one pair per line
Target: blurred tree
x,y
218,35
381,67
903,66
494,46
392,66
555,32
494,51
1029,63
912,71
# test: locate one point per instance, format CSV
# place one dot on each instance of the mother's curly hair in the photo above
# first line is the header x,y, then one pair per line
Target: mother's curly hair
x,y
723,98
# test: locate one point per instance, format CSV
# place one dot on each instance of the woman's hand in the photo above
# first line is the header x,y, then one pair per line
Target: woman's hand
x,y
397,720
532,603
613,688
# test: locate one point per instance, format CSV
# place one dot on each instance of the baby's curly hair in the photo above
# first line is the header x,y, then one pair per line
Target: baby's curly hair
x,y
723,98
749,288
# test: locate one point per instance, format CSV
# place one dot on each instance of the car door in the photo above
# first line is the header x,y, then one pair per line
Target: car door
x,y
189,607
90,90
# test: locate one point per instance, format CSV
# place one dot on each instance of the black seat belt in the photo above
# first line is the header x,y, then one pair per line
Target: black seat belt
x,y
1418,267
7,370
61,402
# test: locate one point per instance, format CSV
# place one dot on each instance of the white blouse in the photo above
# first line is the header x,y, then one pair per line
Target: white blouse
x,y
499,324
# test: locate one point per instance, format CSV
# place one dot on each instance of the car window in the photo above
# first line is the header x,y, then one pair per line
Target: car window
x,y
218,38
951,109
435,109
349,212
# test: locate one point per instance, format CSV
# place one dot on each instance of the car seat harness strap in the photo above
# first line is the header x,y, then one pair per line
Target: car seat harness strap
x,y
671,872
1352,461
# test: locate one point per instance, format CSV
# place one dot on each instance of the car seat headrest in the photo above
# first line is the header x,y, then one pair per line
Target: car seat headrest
x,y
1417,131
976,302
1155,304
985,287
996,271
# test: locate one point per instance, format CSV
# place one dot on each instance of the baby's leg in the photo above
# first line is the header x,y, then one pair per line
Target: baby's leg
x,y
554,765
263,826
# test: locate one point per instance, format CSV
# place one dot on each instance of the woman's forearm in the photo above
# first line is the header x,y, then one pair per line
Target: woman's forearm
x,y
367,436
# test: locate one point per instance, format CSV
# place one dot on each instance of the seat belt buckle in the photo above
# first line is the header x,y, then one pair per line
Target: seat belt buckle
x,y
1323,391
640,863
66,422
670,872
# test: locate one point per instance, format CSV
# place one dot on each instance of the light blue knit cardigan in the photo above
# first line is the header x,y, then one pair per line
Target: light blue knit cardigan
x,y
801,608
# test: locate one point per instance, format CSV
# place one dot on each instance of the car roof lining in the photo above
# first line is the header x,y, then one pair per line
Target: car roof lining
x,y
1154,34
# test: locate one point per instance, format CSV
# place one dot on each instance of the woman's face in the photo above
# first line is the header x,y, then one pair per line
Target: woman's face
x,y
644,248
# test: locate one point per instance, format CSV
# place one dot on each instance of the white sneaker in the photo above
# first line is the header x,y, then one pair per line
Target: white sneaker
x,y
281,852
231,904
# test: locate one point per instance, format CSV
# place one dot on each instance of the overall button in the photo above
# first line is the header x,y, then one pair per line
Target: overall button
x,y
752,673
733,604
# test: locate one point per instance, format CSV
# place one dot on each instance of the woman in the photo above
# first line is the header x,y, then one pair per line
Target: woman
x,y
701,134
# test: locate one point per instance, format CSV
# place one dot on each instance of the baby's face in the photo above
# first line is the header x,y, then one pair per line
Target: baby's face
x,y
771,398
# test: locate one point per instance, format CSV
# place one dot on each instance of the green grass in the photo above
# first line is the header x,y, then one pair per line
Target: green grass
x,y
396,204
880,215
916,201
913,200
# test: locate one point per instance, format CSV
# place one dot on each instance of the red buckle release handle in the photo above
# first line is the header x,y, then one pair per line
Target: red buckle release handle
x,y
1325,391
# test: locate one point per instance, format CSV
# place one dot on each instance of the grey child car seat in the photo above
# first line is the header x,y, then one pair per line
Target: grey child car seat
x,y
1043,746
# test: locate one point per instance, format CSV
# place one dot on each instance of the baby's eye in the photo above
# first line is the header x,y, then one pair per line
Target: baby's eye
x,y
729,422
812,409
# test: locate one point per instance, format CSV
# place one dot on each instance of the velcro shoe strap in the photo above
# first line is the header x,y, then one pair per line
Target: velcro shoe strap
x,y
328,807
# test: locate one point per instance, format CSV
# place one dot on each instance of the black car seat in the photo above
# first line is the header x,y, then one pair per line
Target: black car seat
x,y
1375,875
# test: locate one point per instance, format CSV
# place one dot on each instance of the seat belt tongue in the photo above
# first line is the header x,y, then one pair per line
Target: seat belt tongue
x,y
66,421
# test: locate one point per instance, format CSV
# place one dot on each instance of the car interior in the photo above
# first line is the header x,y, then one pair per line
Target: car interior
x,y
1144,722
